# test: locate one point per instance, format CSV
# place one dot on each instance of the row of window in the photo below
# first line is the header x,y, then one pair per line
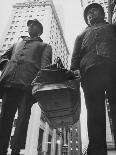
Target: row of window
x,y
5,45
27,7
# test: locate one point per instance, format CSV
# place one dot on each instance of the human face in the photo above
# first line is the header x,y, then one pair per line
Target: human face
x,y
94,15
33,30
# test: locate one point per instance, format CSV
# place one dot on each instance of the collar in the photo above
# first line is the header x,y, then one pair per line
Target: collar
x,y
100,23
26,38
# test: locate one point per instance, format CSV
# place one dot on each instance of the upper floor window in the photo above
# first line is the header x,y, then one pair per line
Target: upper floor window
x,y
6,39
4,45
8,33
13,22
13,33
11,39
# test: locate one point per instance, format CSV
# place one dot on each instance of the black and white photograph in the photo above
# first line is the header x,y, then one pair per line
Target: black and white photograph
x,y
58,77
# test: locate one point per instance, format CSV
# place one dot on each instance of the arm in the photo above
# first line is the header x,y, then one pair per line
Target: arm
x,y
46,58
5,57
75,61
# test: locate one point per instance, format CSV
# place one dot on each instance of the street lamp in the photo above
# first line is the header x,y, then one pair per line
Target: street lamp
x,y
58,141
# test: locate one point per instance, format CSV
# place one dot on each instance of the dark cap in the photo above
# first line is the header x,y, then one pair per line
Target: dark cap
x,y
93,5
36,22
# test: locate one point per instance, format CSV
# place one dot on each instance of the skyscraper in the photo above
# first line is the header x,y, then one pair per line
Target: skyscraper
x,y
45,12
114,14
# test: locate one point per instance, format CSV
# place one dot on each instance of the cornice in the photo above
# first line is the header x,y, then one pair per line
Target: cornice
x,y
27,4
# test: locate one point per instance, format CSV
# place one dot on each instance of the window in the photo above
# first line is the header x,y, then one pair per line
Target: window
x,y
11,39
13,33
4,45
77,149
8,33
13,22
6,39
11,27
14,17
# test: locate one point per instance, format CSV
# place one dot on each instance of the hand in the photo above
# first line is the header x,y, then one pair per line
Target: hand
x,y
3,63
77,73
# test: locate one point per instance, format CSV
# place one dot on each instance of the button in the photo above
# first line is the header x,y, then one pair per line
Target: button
x,y
21,54
24,47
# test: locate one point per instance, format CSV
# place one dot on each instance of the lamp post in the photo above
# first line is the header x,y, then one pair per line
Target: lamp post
x,y
44,152
65,145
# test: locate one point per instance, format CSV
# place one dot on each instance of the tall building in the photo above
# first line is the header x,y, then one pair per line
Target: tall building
x,y
45,12
75,146
71,139
109,131
114,14
40,135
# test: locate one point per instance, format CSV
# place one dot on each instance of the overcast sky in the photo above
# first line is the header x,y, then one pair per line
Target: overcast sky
x,y
71,15
70,12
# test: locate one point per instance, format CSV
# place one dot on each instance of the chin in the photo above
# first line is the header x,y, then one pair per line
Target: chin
x,y
93,21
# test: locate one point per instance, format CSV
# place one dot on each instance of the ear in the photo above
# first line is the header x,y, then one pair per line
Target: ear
x,y
39,34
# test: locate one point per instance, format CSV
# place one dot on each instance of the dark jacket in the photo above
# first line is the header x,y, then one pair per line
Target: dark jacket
x,y
94,45
26,57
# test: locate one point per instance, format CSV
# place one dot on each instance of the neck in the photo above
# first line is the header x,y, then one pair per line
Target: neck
x,y
33,36
96,21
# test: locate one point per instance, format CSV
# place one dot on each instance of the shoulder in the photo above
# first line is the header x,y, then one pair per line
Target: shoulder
x,y
80,36
24,37
21,39
46,45
83,32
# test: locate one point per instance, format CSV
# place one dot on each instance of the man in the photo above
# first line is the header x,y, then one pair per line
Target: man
x,y
95,56
25,58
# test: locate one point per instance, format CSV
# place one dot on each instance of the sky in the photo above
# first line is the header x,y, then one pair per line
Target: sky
x,y
70,13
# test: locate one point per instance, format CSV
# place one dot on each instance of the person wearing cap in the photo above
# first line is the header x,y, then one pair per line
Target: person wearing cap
x,y
94,55
20,65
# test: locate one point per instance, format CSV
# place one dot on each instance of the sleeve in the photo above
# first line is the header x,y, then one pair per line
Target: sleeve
x,y
5,57
46,58
75,60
